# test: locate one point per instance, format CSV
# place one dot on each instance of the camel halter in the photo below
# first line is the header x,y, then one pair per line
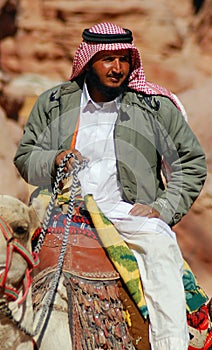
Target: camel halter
x,y
13,245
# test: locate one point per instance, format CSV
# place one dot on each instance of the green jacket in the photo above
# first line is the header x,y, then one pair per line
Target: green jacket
x,y
148,128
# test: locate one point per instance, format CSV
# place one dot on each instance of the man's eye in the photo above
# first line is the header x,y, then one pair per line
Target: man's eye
x,y
125,59
109,59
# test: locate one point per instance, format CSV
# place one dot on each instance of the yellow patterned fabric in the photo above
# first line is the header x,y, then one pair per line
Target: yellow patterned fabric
x,y
119,253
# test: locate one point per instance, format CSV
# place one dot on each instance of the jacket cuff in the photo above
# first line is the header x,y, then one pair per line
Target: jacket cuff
x,y
167,214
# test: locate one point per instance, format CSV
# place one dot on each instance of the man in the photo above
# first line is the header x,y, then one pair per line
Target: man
x,y
125,126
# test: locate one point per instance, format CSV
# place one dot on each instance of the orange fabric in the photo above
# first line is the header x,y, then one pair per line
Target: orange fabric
x,y
74,139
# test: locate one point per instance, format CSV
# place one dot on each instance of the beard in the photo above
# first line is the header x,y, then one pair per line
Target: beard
x,y
109,92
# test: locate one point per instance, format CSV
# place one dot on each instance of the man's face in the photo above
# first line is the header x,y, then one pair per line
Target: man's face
x,y
112,67
107,74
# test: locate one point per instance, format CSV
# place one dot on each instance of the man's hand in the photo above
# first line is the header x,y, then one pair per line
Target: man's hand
x,y
144,210
70,164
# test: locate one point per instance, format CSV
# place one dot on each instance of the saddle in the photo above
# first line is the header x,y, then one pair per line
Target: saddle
x,y
84,255
93,284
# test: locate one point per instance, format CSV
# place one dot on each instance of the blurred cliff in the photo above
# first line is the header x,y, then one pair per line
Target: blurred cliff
x,y
38,41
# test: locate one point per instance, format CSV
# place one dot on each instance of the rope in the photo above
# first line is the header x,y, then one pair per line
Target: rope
x,y
56,190
59,177
5,310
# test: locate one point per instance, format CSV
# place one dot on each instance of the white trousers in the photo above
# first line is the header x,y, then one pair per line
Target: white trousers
x,y
161,267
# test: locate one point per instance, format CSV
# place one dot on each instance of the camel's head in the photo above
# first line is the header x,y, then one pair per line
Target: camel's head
x,y
24,221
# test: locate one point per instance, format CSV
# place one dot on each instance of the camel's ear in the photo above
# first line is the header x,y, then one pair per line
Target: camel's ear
x,y
36,214
38,209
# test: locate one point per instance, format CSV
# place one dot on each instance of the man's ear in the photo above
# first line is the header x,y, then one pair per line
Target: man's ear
x,y
87,67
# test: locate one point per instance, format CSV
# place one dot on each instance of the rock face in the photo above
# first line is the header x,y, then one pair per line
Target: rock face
x,y
38,41
11,183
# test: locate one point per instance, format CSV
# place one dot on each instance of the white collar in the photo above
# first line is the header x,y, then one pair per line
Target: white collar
x,y
86,100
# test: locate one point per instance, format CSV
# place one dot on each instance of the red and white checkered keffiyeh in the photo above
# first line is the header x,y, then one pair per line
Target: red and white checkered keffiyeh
x,y
137,80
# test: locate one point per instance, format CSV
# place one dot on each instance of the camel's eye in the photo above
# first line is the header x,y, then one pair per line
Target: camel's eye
x,y
21,230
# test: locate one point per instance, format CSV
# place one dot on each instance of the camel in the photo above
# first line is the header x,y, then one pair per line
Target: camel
x,y
18,222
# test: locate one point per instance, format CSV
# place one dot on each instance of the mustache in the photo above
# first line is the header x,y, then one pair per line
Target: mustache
x,y
115,75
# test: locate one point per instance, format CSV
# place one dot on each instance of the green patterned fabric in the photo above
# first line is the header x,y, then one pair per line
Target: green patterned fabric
x,y
195,296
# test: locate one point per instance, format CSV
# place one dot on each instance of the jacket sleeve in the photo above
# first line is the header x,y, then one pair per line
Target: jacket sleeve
x,y
186,159
35,157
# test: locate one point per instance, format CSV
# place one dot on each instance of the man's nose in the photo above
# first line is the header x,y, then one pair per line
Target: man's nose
x,y
117,65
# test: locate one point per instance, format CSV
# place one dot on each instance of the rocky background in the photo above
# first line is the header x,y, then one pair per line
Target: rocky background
x,y
38,41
